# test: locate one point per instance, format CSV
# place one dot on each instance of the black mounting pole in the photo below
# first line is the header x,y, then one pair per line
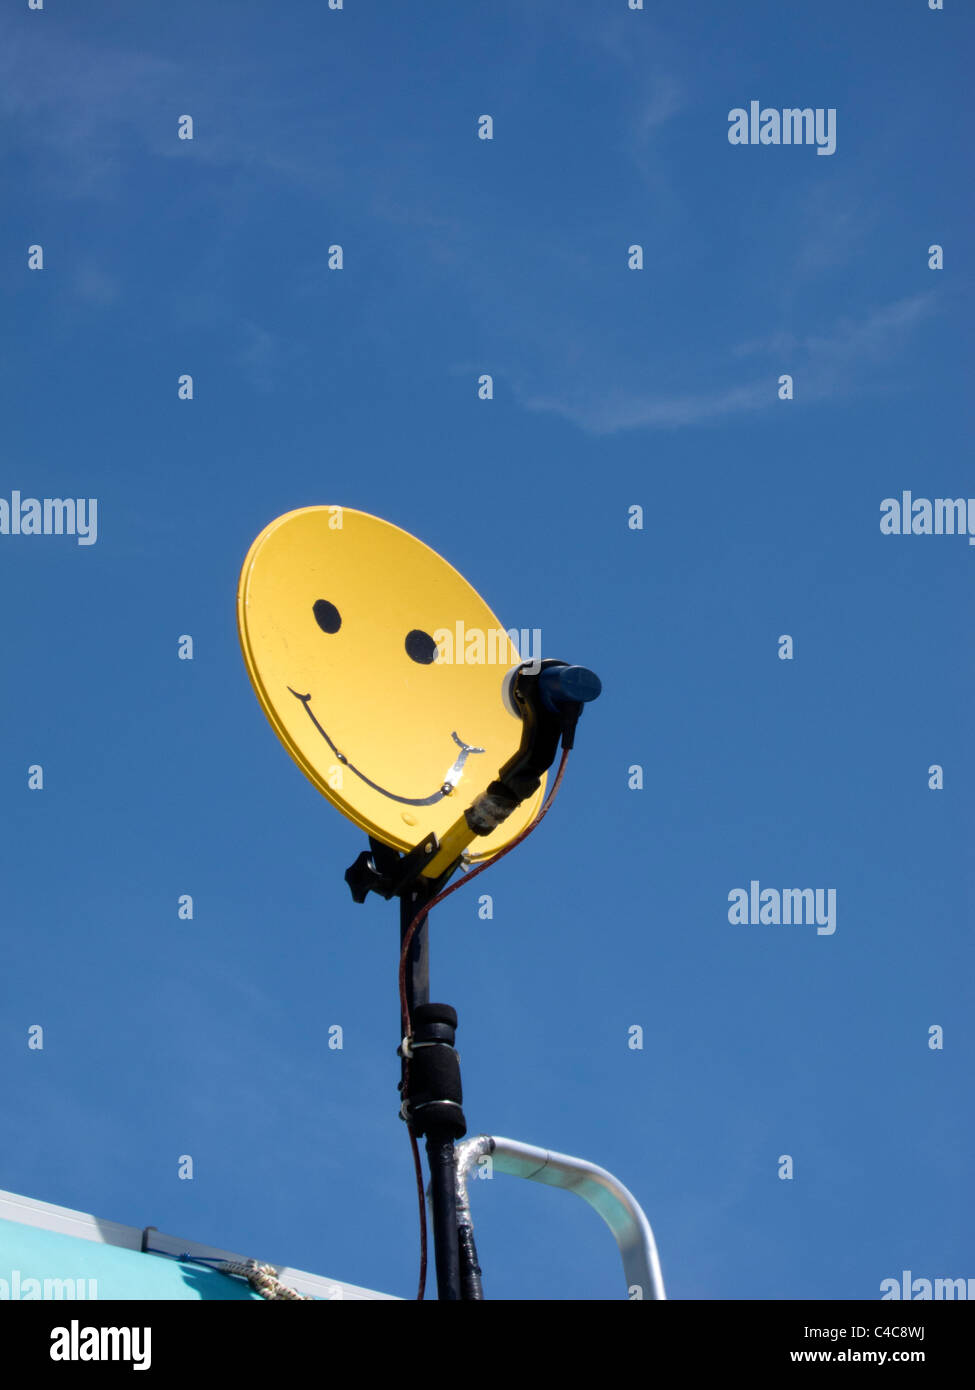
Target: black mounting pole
x,y
435,1108
418,960
443,1192
550,702
434,1099
435,1090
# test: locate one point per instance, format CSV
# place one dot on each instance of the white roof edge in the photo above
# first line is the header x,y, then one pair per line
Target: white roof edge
x,y
28,1211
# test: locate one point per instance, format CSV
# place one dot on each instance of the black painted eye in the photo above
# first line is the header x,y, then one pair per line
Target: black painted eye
x,y
420,647
327,616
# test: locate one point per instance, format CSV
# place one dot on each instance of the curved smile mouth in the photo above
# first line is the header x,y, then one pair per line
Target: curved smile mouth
x,y
451,778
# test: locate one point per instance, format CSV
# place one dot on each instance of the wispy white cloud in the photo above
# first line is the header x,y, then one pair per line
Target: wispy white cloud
x,y
877,336
664,99
832,363
828,223
627,410
77,107
86,113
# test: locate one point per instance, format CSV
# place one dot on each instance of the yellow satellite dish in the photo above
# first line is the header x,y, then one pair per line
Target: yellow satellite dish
x,y
382,672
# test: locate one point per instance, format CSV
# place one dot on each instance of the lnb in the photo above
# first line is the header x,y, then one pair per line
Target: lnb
x,y
560,685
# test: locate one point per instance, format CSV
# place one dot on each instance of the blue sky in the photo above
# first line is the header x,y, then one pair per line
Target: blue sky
x,y
612,388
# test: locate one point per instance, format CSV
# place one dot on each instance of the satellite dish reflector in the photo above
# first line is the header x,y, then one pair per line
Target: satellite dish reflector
x,y
382,672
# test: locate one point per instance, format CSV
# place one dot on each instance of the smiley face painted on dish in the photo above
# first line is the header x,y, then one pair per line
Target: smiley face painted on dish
x,y
337,612
420,647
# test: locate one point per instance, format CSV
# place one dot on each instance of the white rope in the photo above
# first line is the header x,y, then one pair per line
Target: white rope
x,y
262,1279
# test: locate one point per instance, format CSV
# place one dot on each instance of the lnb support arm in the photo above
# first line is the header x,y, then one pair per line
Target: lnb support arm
x,y
549,703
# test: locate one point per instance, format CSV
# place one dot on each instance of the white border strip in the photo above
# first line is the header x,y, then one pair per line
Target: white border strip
x,y
30,1212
